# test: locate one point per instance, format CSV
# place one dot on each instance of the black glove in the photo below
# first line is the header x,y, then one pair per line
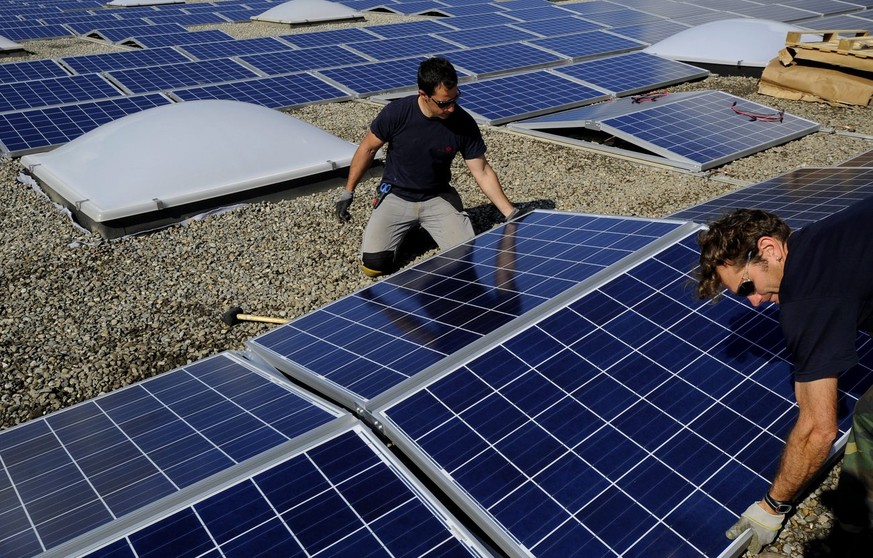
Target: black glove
x,y
518,212
343,205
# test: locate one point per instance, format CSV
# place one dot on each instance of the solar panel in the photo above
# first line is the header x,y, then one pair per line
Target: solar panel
x,y
407,29
476,21
238,47
184,38
800,197
470,9
559,26
82,26
821,7
366,344
543,12
695,131
38,129
651,32
776,13
862,160
376,77
494,35
171,76
674,9
119,34
286,61
93,63
387,49
622,17
501,58
499,100
273,92
594,7
343,494
838,22
29,32
588,44
413,7
632,421
86,466
54,91
202,18
329,37
631,73
30,69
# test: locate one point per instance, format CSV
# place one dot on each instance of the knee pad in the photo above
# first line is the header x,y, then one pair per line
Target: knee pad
x,y
377,263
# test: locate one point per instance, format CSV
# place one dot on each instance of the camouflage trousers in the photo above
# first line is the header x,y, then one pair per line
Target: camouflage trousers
x,y
855,508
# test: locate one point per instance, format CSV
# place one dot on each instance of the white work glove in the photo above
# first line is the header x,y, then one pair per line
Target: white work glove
x,y
764,525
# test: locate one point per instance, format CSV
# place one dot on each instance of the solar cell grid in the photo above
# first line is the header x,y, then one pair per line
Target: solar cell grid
x,y
312,503
612,418
623,17
821,7
118,34
407,29
93,63
371,341
594,7
387,49
30,69
862,160
839,22
414,7
525,95
484,36
651,32
171,76
184,38
541,13
272,92
283,62
475,21
329,37
54,91
83,467
28,32
237,47
38,129
377,77
202,18
471,9
800,197
631,73
558,26
588,44
776,12
501,58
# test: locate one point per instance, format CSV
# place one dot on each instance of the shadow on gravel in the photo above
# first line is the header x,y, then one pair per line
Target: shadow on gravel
x,y
848,502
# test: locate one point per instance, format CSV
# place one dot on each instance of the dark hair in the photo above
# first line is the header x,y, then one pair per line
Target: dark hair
x,y
728,242
435,71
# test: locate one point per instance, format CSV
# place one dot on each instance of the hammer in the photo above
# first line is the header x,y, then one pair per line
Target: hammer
x,y
235,315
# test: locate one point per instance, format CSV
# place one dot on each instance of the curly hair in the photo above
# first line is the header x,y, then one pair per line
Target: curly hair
x,y
729,240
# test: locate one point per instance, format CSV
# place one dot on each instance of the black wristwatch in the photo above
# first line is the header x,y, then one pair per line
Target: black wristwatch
x,y
777,505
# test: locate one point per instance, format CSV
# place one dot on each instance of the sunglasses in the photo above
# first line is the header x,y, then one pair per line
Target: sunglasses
x,y
448,102
747,287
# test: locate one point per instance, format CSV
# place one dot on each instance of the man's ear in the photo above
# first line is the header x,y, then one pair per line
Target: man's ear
x,y
771,248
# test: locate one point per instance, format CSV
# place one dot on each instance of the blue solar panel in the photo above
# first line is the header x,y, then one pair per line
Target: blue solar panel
x,y
39,129
29,32
371,341
31,69
171,76
589,44
634,421
238,47
118,34
329,37
202,18
525,95
593,7
560,26
184,38
546,11
387,49
54,91
704,129
73,19
620,18
83,26
239,14
501,58
839,22
800,197
377,77
651,32
821,7
476,21
286,61
83,467
494,35
341,496
273,92
631,73
408,29
470,9
412,7
92,63
862,160
776,13
675,9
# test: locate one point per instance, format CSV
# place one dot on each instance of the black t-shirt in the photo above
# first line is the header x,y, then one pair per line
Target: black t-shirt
x,y
826,294
421,149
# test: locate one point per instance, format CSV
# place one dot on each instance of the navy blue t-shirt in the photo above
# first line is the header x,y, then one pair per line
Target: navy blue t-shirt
x,y
826,294
421,149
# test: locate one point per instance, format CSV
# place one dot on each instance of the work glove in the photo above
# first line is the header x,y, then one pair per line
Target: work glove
x,y
764,525
518,212
342,206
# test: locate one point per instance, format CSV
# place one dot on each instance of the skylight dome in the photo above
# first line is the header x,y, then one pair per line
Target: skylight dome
x,y
162,162
308,11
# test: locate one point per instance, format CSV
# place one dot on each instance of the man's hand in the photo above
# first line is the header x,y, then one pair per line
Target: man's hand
x,y
518,212
764,525
342,206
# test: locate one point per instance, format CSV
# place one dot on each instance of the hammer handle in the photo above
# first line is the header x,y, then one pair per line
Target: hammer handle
x,y
265,319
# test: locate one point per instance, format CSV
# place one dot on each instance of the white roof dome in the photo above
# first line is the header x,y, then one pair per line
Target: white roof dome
x,y
307,11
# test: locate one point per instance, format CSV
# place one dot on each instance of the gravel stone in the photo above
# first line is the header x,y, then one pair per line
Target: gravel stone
x,y
83,315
